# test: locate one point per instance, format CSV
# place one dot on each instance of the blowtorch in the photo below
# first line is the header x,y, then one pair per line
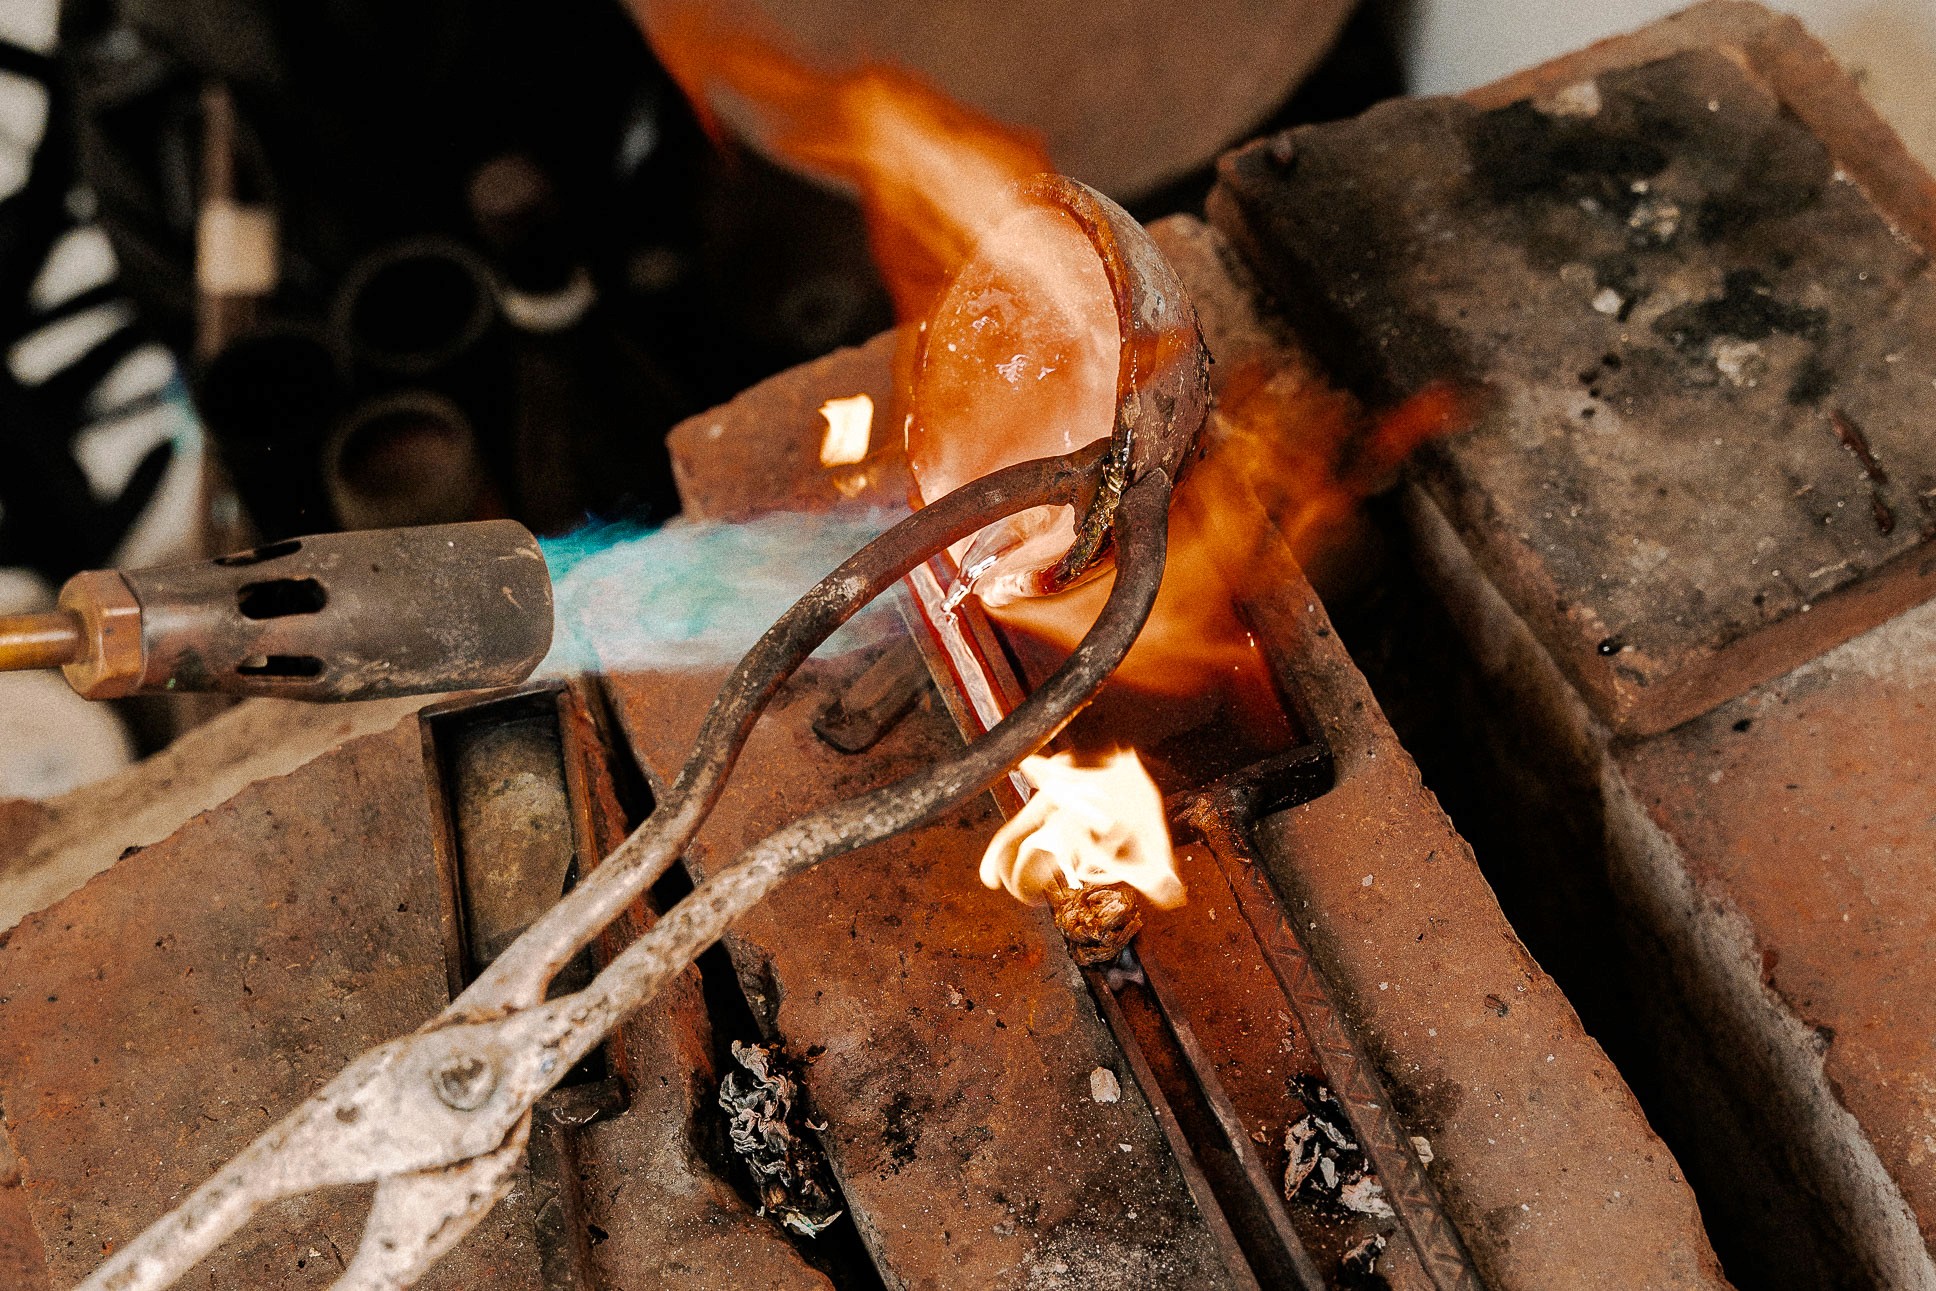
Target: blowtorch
x,y
333,616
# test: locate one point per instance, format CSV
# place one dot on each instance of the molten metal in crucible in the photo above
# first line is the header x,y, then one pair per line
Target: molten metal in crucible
x,y
439,1119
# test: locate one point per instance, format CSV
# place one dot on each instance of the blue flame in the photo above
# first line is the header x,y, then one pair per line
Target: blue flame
x,y
694,596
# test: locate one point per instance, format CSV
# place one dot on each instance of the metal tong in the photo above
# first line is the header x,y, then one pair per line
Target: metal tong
x,y
439,1119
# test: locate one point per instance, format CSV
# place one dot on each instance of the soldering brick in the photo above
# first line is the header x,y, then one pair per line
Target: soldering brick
x,y
1707,349
1546,1162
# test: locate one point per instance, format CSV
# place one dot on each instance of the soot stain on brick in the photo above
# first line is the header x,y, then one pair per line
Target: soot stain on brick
x,y
1521,154
1638,181
1790,171
900,1128
1813,382
1746,310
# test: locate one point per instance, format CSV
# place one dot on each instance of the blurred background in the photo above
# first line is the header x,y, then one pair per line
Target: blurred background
x,y
271,269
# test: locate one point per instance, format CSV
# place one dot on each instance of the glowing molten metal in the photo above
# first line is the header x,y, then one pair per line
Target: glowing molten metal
x,y
1086,826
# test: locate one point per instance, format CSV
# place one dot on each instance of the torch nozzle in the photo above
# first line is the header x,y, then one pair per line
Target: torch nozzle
x,y
332,616
39,640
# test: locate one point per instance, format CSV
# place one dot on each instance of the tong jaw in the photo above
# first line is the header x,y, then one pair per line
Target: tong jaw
x,y
1162,374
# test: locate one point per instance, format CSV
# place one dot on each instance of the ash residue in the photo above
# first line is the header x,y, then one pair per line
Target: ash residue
x,y
764,1122
1654,152
1327,1163
1360,1263
1644,170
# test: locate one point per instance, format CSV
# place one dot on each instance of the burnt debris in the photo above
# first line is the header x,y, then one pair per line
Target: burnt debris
x,y
1326,1160
764,1122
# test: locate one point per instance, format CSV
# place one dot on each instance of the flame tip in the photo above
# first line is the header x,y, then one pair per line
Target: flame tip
x,y
1086,826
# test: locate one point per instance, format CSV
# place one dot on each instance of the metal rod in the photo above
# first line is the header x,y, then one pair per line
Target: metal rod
x,y
1203,1070
39,640
1230,1249
1225,827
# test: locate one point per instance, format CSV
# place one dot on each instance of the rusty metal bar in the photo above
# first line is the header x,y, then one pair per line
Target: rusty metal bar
x,y
1230,1248
514,825
880,696
1223,816
1274,1241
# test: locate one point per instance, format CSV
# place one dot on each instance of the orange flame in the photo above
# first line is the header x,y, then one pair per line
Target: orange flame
x,y
933,176
1289,465
1086,826
1019,358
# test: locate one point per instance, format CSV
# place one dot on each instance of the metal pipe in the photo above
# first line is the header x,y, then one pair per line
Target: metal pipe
x,y
414,308
39,640
423,314
406,458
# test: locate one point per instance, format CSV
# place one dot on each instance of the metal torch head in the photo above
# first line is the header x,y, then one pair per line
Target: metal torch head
x,y
334,616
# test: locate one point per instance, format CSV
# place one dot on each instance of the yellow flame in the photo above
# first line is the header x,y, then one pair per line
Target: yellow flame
x,y
850,428
1086,825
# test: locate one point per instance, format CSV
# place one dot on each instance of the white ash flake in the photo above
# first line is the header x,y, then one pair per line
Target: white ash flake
x,y
1300,1140
1326,1165
1742,362
1104,1087
1656,218
1367,1197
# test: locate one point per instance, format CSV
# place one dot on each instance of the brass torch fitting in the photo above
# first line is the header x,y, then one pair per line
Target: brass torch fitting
x,y
112,658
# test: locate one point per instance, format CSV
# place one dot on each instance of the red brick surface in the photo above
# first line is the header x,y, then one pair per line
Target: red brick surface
x,y
761,451
158,1019
1768,857
955,1038
155,1021
1807,810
